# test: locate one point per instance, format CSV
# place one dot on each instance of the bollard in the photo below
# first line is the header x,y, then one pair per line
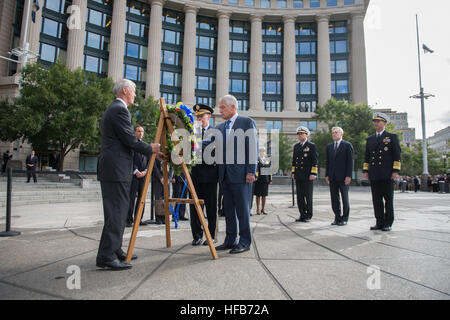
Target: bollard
x,y
403,185
293,201
8,232
441,186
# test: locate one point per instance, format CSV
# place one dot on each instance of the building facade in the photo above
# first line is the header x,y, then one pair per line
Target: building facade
x,y
440,141
279,58
400,121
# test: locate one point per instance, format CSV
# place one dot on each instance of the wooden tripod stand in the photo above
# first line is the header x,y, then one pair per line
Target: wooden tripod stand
x,y
165,124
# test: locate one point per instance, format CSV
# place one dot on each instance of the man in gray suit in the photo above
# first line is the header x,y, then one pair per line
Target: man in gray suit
x,y
237,170
115,172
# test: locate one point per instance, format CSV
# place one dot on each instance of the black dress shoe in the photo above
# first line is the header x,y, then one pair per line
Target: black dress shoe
x,y
225,247
196,242
143,223
301,220
335,223
239,249
114,265
342,223
386,229
184,219
129,224
205,243
376,228
123,256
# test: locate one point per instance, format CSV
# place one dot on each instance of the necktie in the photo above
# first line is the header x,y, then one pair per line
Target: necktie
x,y
203,133
335,147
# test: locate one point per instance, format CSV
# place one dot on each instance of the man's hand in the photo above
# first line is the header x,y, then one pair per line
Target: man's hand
x,y
366,175
162,180
312,177
348,180
327,180
394,176
250,178
155,147
292,176
138,174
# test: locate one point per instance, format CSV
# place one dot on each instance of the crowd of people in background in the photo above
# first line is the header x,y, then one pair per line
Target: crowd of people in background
x,y
413,182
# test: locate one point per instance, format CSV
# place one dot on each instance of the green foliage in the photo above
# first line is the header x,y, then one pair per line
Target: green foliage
x,y
412,163
145,112
59,109
355,120
285,152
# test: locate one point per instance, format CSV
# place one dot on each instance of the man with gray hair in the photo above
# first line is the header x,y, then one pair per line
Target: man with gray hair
x,y
339,168
237,172
115,172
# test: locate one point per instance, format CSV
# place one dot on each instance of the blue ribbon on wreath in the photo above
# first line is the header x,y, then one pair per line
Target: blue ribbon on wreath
x,y
175,212
187,111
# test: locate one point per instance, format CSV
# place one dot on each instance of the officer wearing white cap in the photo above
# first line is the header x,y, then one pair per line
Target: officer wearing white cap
x,y
205,178
381,167
304,171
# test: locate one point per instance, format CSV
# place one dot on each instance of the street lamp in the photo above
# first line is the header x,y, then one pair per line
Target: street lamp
x,y
422,96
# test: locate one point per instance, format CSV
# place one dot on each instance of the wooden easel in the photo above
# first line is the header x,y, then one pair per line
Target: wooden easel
x,y
165,124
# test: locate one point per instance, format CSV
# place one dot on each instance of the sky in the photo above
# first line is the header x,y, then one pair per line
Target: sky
x,y
392,62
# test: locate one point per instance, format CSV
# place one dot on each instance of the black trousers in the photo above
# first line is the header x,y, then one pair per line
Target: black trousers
x,y
384,211
116,196
336,188
305,198
31,173
135,194
207,192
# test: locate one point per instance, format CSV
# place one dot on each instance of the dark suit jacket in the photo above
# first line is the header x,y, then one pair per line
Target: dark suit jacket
x,y
304,161
205,173
115,163
236,172
140,162
340,165
382,157
34,162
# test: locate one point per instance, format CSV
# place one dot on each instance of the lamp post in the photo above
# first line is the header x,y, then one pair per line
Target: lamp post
x,y
422,96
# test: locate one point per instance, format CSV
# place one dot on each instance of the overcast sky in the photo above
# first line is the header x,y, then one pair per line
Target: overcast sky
x,y
392,65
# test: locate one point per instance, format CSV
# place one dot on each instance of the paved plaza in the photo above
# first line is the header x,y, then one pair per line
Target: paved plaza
x,y
288,260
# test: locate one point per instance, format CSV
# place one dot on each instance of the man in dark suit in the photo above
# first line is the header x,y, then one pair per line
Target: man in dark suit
x,y
204,177
381,167
339,168
31,163
115,171
6,158
237,157
140,163
304,171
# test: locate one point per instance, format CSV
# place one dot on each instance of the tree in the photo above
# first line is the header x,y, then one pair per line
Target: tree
x,y
355,120
412,161
58,108
285,152
145,112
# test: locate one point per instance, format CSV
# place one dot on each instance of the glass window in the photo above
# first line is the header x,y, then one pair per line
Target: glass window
x,y
331,3
50,27
340,27
238,65
91,64
272,47
314,4
93,40
298,3
249,3
132,50
233,2
341,66
204,62
311,125
169,78
171,37
271,87
238,85
205,43
282,4
349,2
306,67
48,52
203,83
265,3
341,46
54,5
306,48
143,53
274,125
131,72
272,106
306,106
95,17
134,28
271,67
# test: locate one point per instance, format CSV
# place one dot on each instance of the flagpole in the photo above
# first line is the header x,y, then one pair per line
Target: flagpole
x,y
422,106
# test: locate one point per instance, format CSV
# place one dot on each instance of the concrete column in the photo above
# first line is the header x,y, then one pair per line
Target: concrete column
x,y
76,37
256,103
289,68
117,45
323,59
223,54
154,50
358,60
34,30
7,9
188,76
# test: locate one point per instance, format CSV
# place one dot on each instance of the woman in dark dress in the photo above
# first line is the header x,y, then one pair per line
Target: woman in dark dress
x,y
261,185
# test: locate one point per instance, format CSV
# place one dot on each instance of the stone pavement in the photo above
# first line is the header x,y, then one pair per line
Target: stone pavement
x,y
287,260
